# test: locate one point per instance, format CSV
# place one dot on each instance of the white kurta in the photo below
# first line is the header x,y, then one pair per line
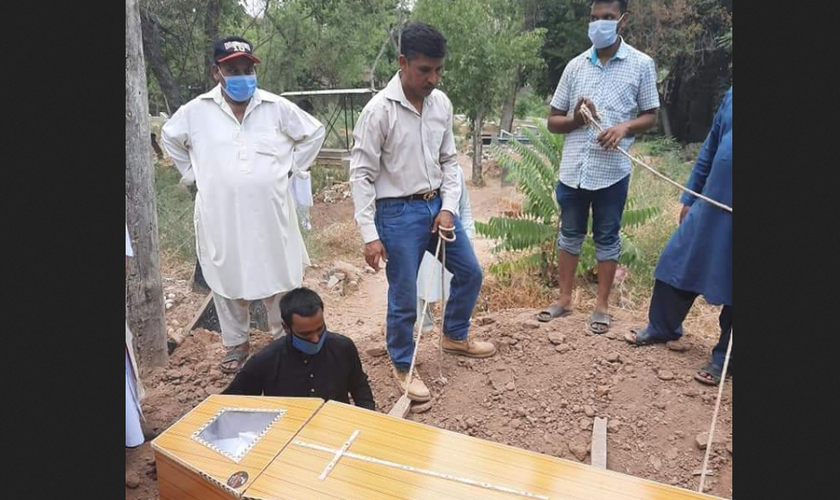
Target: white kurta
x,y
133,430
431,290
247,236
133,389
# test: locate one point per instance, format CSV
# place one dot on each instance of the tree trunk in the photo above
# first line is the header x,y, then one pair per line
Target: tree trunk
x,y
378,56
666,120
211,32
151,47
509,107
478,123
531,7
144,292
510,104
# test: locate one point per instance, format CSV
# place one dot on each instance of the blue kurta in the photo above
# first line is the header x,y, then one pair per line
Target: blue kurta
x,y
699,256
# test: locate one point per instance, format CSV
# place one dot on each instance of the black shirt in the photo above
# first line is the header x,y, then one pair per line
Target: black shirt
x,y
281,370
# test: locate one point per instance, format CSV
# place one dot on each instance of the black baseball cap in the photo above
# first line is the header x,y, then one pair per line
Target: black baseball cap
x,y
232,47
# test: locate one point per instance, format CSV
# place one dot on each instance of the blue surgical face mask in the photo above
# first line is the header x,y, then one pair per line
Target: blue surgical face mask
x,y
240,88
603,33
307,347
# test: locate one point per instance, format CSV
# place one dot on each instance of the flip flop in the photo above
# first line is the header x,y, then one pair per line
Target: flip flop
x,y
552,312
599,318
642,338
236,354
713,372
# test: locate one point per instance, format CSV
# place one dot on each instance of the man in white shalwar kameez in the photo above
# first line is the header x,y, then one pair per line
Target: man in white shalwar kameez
x,y
241,145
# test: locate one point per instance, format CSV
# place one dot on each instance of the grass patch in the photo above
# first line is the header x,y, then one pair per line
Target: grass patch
x,y
175,221
511,291
339,240
324,176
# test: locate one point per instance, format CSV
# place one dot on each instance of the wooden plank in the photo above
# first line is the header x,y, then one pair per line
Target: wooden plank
x,y
199,313
599,443
401,407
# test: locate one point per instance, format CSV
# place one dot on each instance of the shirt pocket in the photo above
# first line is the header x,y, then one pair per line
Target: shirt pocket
x,y
267,144
621,101
269,148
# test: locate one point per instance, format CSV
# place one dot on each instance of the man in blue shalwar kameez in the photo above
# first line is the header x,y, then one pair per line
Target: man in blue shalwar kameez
x,y
698,258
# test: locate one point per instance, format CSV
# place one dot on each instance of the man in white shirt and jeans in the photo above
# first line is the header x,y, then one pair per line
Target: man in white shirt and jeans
x,y
241,145
403,170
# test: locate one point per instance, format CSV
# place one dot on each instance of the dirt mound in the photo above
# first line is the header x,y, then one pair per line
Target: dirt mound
x,y
548,382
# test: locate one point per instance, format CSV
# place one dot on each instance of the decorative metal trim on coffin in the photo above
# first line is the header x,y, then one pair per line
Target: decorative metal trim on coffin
x,y
196,436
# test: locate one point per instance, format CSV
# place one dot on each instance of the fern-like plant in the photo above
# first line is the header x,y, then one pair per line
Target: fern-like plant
x,y
532,235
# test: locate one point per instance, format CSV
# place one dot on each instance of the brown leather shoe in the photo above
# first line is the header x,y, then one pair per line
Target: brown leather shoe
x,y
469,347
417,391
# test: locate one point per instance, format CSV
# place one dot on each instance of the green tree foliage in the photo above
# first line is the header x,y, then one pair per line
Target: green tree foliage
x,y
681,35
303,44
486,45
566,23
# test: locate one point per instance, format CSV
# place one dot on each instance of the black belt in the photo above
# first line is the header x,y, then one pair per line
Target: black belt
x,y
430,195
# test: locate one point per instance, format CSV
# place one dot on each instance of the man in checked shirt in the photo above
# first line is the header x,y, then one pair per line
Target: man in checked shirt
x,y
618,84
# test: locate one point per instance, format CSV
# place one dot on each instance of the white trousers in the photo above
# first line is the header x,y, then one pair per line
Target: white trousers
x,y
235,318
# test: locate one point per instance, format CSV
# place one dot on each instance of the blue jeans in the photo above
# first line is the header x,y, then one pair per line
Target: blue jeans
x,y
405,231
668,308
607,209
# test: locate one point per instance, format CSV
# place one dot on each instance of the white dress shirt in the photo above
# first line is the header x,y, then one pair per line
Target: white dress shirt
x,y
399,152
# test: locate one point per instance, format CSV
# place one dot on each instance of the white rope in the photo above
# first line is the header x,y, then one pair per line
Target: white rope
x,y
584,109
442,317
418,325
715,415
426,472
443,299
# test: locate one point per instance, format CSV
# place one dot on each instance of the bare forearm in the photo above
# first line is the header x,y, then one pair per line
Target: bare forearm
x,y
641,124
562,124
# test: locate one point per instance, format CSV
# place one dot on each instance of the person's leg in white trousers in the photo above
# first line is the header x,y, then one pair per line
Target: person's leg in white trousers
x,y
235,318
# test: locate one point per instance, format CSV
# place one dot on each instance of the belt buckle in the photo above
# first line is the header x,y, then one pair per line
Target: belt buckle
x,y
429,196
